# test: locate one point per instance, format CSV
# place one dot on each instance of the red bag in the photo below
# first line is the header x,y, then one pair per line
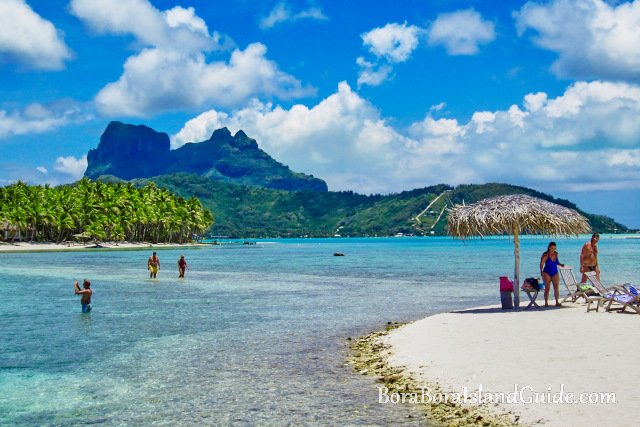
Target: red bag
x,y
506,285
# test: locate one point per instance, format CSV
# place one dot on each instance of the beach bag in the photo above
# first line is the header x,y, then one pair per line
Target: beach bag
x,y
533,283
506,285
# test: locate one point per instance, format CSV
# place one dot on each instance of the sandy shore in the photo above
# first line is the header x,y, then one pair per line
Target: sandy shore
x,y
46,247
547,353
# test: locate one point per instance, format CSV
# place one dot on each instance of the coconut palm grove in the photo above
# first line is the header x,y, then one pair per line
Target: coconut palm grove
x,y
100,211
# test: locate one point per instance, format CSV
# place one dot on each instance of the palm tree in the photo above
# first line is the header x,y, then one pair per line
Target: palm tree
x,y
103,211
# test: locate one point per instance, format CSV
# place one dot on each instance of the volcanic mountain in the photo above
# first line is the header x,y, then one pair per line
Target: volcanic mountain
x,y
129,151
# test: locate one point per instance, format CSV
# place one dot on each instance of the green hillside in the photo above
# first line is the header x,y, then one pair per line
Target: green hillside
x,y
241,211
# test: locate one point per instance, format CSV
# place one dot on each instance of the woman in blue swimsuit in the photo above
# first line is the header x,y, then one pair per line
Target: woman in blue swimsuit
x,y
549,263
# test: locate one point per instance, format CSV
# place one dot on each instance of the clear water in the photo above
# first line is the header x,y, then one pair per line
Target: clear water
x,y
254,335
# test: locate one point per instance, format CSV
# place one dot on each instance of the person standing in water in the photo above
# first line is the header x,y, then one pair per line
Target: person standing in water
x,y
86,293
182,265
153,265
549,263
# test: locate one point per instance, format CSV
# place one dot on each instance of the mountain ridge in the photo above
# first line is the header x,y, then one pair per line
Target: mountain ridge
x,y
137,151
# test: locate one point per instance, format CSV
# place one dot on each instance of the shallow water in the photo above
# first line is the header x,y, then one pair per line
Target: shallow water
x,y
254,334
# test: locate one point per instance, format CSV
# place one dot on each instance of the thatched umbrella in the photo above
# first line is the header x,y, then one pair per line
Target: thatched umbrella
x,y
515,214
83,236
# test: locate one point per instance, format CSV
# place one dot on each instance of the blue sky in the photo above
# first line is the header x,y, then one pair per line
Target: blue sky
x,y
372,96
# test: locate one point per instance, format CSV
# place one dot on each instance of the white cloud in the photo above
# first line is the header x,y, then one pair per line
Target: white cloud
x,y
179,16
394,42
461,32
436,137
136,17
174,28
372,74
437,107
390,44
593,38
281,12
624,158
602,112
27,38
156,80
71,166
42,170
172,72
39,118
584,139
482,121
535,101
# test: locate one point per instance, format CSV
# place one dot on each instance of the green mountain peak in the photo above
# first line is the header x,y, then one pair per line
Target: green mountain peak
x,y
128,151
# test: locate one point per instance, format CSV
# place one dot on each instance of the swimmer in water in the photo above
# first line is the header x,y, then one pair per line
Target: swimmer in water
x,y
86,295
182,266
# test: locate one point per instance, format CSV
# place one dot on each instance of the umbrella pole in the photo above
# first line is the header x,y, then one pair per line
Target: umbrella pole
x,y
516,272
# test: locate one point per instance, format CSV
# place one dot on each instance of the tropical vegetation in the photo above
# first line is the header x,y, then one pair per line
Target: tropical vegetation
x,y
100,211
177,207
243,211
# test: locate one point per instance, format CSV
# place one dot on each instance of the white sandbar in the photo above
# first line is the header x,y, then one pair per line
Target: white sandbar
x,y
542,349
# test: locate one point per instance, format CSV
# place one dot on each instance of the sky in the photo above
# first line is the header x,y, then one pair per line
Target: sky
x,y
373,96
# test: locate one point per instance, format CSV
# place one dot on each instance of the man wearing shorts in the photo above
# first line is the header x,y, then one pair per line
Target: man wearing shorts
x,y
153,265
86,293
589,257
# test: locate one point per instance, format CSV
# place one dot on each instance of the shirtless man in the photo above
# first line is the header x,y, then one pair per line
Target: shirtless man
x,y
589,257
153,265
86,294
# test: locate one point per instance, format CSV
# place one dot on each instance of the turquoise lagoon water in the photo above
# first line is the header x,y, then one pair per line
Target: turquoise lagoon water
x,y
255,334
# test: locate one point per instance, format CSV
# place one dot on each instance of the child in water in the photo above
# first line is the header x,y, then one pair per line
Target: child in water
x,y
86,295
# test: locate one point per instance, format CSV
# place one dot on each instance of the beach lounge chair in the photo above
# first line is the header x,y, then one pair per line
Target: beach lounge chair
x,y
625,295
576,290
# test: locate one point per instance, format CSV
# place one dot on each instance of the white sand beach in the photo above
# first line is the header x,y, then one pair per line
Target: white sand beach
x,y
45,247
542,351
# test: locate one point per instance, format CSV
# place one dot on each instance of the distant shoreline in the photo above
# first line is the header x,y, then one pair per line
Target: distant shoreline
x,y
101,246
6,247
